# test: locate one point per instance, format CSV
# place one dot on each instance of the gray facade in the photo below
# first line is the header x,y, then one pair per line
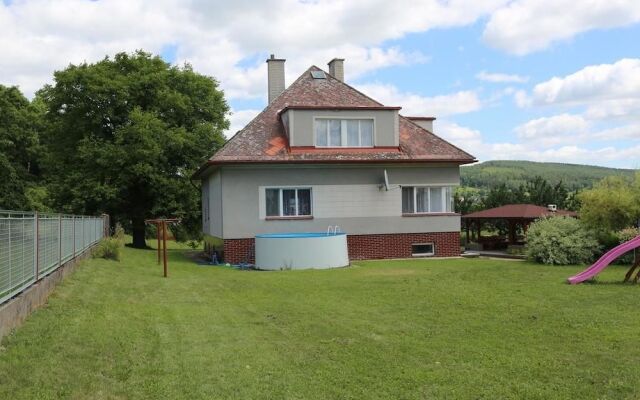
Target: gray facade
x,y
346,195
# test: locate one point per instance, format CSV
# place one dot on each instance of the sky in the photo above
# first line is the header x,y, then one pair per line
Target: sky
x,y
542,80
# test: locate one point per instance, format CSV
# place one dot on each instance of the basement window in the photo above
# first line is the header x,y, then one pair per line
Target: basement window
x,y
422,249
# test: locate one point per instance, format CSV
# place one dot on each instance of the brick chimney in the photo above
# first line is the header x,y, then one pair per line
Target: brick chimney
x,y
275,77
424,122
336,68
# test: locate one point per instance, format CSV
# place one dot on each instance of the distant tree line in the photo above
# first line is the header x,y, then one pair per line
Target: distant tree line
x,y
121,136
515,173
536,190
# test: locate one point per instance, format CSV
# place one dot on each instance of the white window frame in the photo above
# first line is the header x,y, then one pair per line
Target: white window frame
x,y
446,188
343,132
432,253
281,201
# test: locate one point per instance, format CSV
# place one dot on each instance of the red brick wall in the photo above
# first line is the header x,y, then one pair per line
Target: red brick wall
x,y
362,247
239,250
398,245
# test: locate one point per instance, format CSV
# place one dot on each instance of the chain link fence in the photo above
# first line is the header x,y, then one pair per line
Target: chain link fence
x,y
32,245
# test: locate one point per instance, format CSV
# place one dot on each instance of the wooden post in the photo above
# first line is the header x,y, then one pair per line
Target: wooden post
x,y
157,224
466,225
164,246
627,277
512,232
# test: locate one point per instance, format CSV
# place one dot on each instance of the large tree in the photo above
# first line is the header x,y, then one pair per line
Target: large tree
x,y
126,133
19,148
612,204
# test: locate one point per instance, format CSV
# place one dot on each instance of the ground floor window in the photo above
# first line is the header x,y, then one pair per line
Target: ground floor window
x,y
427,199
422,249
288,202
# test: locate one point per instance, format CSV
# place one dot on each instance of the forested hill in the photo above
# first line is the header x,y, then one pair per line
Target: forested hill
x,y
514,173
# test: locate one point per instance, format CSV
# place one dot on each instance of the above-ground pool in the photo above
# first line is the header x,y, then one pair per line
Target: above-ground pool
x,y
277,251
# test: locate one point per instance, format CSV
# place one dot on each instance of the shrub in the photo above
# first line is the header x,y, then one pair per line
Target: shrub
x,y
560,240
625,235
118,233
108,248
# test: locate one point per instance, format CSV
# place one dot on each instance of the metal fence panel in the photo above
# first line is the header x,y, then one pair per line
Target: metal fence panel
x,y
33,245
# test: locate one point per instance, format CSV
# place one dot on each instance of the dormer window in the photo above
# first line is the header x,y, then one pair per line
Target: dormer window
x,y
332,132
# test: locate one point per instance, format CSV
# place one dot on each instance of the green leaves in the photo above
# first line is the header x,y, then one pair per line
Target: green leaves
x,y
126,133
19,148
612,204
561,241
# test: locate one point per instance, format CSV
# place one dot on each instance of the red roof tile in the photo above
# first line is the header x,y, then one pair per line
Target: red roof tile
x,y
526,211
264,139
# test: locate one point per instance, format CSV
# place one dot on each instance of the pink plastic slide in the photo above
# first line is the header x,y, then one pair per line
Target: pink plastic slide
x,y
605,260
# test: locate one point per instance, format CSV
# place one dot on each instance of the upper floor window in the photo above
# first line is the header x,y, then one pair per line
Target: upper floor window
x,y
344,132
288,202
433,199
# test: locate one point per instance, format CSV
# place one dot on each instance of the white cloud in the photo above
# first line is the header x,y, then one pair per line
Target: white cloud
x,y
416,105
603,92
239,119
219,37
619,80
524,26
461,136
631,131
501,78
548,131
614,109
473,141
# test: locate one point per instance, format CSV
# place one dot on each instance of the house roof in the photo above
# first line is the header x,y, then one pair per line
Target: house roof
x,y
263,140
518,211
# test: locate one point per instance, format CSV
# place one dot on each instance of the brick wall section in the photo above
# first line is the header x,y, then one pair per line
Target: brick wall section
x,y
398,245
239,250
363,247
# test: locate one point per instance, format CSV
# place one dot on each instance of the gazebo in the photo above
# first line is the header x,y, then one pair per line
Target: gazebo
x,y
514,215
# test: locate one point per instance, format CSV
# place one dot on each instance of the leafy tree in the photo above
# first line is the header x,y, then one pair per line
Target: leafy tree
x,y
540,192
499,196
126,133
612,204
467,200
19,148
560,240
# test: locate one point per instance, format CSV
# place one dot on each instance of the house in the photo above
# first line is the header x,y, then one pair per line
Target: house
x,y
324,154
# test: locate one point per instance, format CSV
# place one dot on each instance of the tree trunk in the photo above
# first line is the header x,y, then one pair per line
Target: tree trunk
x,y
138,228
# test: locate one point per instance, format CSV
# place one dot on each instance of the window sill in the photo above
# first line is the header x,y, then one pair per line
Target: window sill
x,y
290,218
443,214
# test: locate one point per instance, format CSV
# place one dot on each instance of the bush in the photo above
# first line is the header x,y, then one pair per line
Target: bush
x,y
560,240
118,233
108,248
625,235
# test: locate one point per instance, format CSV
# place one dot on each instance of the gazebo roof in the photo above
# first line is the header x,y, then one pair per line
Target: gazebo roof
x,y
518,211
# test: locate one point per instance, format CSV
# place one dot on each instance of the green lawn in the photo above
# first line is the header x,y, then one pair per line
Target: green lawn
x,y
418,329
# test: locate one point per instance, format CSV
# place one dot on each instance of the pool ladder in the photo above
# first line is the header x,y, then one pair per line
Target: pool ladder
x,y
333,230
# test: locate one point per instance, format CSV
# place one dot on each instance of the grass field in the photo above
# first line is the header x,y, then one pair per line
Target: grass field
x,y
458,329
